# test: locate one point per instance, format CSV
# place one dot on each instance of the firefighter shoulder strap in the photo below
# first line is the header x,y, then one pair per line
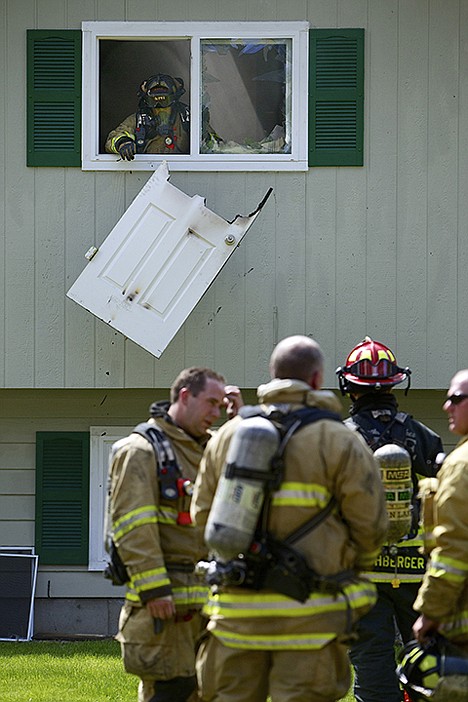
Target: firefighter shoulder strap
x,y
170,478
168,469
246,554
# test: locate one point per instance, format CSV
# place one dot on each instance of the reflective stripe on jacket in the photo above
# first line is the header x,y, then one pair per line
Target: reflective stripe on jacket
x,y
158,552
321,459
443,595
310,624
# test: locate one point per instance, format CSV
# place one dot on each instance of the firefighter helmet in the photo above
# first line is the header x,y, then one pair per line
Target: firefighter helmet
x,y
371,365
436,671
161,90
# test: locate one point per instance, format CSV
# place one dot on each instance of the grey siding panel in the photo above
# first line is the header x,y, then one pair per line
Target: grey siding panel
x,y
260,285
55,582
49,278
443,190
17,533
17,482
79,326
3,182
336,253
21,508
19,210
290,254
321,255
381,247
353,237
412,247
15,456
462,238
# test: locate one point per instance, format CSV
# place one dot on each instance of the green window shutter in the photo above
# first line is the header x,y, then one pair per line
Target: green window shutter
x,y
54,97
62,497
336,97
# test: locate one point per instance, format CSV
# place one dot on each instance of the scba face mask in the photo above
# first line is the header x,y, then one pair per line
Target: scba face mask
x,y
161,90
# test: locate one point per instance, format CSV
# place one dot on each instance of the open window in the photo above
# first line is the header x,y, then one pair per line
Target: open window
x,y
200,95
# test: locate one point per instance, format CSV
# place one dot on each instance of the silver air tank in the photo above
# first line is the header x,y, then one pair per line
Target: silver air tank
x,y
239,497
395,469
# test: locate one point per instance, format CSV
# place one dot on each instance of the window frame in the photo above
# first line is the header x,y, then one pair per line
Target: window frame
x,y
95,31
101,440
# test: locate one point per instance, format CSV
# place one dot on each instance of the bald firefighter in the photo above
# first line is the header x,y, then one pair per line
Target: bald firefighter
x,y
282,612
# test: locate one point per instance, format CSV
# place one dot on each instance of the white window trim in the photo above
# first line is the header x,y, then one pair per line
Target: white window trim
x,y
101,440
297,31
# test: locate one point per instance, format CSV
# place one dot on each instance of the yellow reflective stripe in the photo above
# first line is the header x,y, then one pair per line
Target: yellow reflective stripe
x,y
182,595
372,556
146,514
119,136
455,625
461,566
301,494
414,543
294,642
190,595
132,596
388,577
150,579
449,568
233,606
167,515
358,353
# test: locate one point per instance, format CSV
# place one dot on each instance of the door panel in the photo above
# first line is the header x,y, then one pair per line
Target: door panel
x,y
157,262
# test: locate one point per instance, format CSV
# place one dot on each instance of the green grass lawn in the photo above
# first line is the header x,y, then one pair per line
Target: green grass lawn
x,y
67,671
64,671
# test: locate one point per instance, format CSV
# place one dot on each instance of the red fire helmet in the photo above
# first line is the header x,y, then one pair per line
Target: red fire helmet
x,y
371,364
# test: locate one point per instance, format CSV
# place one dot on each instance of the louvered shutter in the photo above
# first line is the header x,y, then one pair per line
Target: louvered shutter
x,y
62,497
336,97
54,98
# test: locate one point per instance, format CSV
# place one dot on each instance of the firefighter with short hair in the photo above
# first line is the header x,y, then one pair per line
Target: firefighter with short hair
x,y
266,635
149,525
368,377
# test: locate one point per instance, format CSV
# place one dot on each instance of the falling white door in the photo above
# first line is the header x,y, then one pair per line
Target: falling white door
x,y
157,262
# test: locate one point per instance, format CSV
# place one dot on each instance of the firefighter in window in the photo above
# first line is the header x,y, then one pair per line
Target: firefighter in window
x,y
161,124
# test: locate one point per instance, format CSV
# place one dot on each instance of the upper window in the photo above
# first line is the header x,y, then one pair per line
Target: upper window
x,y
200,95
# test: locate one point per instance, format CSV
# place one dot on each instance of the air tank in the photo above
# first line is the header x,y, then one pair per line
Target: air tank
x,y
239,497
395,469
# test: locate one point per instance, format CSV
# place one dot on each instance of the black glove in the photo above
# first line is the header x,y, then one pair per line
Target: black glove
x,y
126,148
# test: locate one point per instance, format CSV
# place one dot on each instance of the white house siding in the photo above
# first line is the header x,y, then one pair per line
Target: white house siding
x,y
25,412
71,600
336,253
